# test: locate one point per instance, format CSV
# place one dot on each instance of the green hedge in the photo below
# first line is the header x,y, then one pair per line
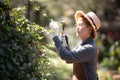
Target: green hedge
x,y
22,55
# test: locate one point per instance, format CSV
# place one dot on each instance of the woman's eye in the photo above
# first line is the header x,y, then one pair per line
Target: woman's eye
x,y
81,24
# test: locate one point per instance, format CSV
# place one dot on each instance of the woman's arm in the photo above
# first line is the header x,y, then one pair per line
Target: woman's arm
x,y
81,54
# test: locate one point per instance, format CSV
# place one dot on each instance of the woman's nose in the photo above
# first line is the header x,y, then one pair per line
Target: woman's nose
x,y
77,27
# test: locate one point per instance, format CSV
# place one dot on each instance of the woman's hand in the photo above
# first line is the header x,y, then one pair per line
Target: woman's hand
x,y
53,25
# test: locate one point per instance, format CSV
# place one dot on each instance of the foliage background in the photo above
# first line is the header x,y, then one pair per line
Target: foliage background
x,y
26,51
22,49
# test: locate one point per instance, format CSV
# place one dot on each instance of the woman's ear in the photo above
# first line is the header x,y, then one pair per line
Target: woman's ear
x,y
90,29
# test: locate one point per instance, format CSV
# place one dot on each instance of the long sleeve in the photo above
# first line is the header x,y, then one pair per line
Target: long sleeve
x,y
81,54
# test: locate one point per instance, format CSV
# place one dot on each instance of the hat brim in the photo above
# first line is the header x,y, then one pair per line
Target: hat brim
x,y
79,14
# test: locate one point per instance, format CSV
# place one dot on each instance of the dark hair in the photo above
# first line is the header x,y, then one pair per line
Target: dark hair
x,y
92,34
86,21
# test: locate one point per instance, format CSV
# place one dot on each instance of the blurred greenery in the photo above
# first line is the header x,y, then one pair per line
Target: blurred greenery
x,y
25,44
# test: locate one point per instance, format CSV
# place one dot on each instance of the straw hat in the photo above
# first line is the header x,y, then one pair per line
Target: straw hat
x,y
92,19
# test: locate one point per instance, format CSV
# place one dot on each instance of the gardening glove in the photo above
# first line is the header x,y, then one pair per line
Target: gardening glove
x,y
54,26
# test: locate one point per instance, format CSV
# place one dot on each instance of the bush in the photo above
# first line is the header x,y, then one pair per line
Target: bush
x,y
22,51
109,56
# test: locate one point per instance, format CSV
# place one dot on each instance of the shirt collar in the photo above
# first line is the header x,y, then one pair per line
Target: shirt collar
x,y
89,39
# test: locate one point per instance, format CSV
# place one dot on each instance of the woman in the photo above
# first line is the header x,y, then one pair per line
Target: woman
x,y
85,52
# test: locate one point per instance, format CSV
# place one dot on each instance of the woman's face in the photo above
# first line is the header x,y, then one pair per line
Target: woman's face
x,y
82,30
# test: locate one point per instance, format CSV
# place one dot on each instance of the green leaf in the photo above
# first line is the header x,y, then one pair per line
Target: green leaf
x,y
40,37
9,66
7,1
33,78
15,62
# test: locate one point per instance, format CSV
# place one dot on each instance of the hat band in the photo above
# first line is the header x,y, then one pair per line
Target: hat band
x,y
92,21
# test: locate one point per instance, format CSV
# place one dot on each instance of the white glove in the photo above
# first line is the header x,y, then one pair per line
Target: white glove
x,y
54,26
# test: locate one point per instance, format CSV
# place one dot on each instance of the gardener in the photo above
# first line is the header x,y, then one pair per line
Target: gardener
x,y
85,53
